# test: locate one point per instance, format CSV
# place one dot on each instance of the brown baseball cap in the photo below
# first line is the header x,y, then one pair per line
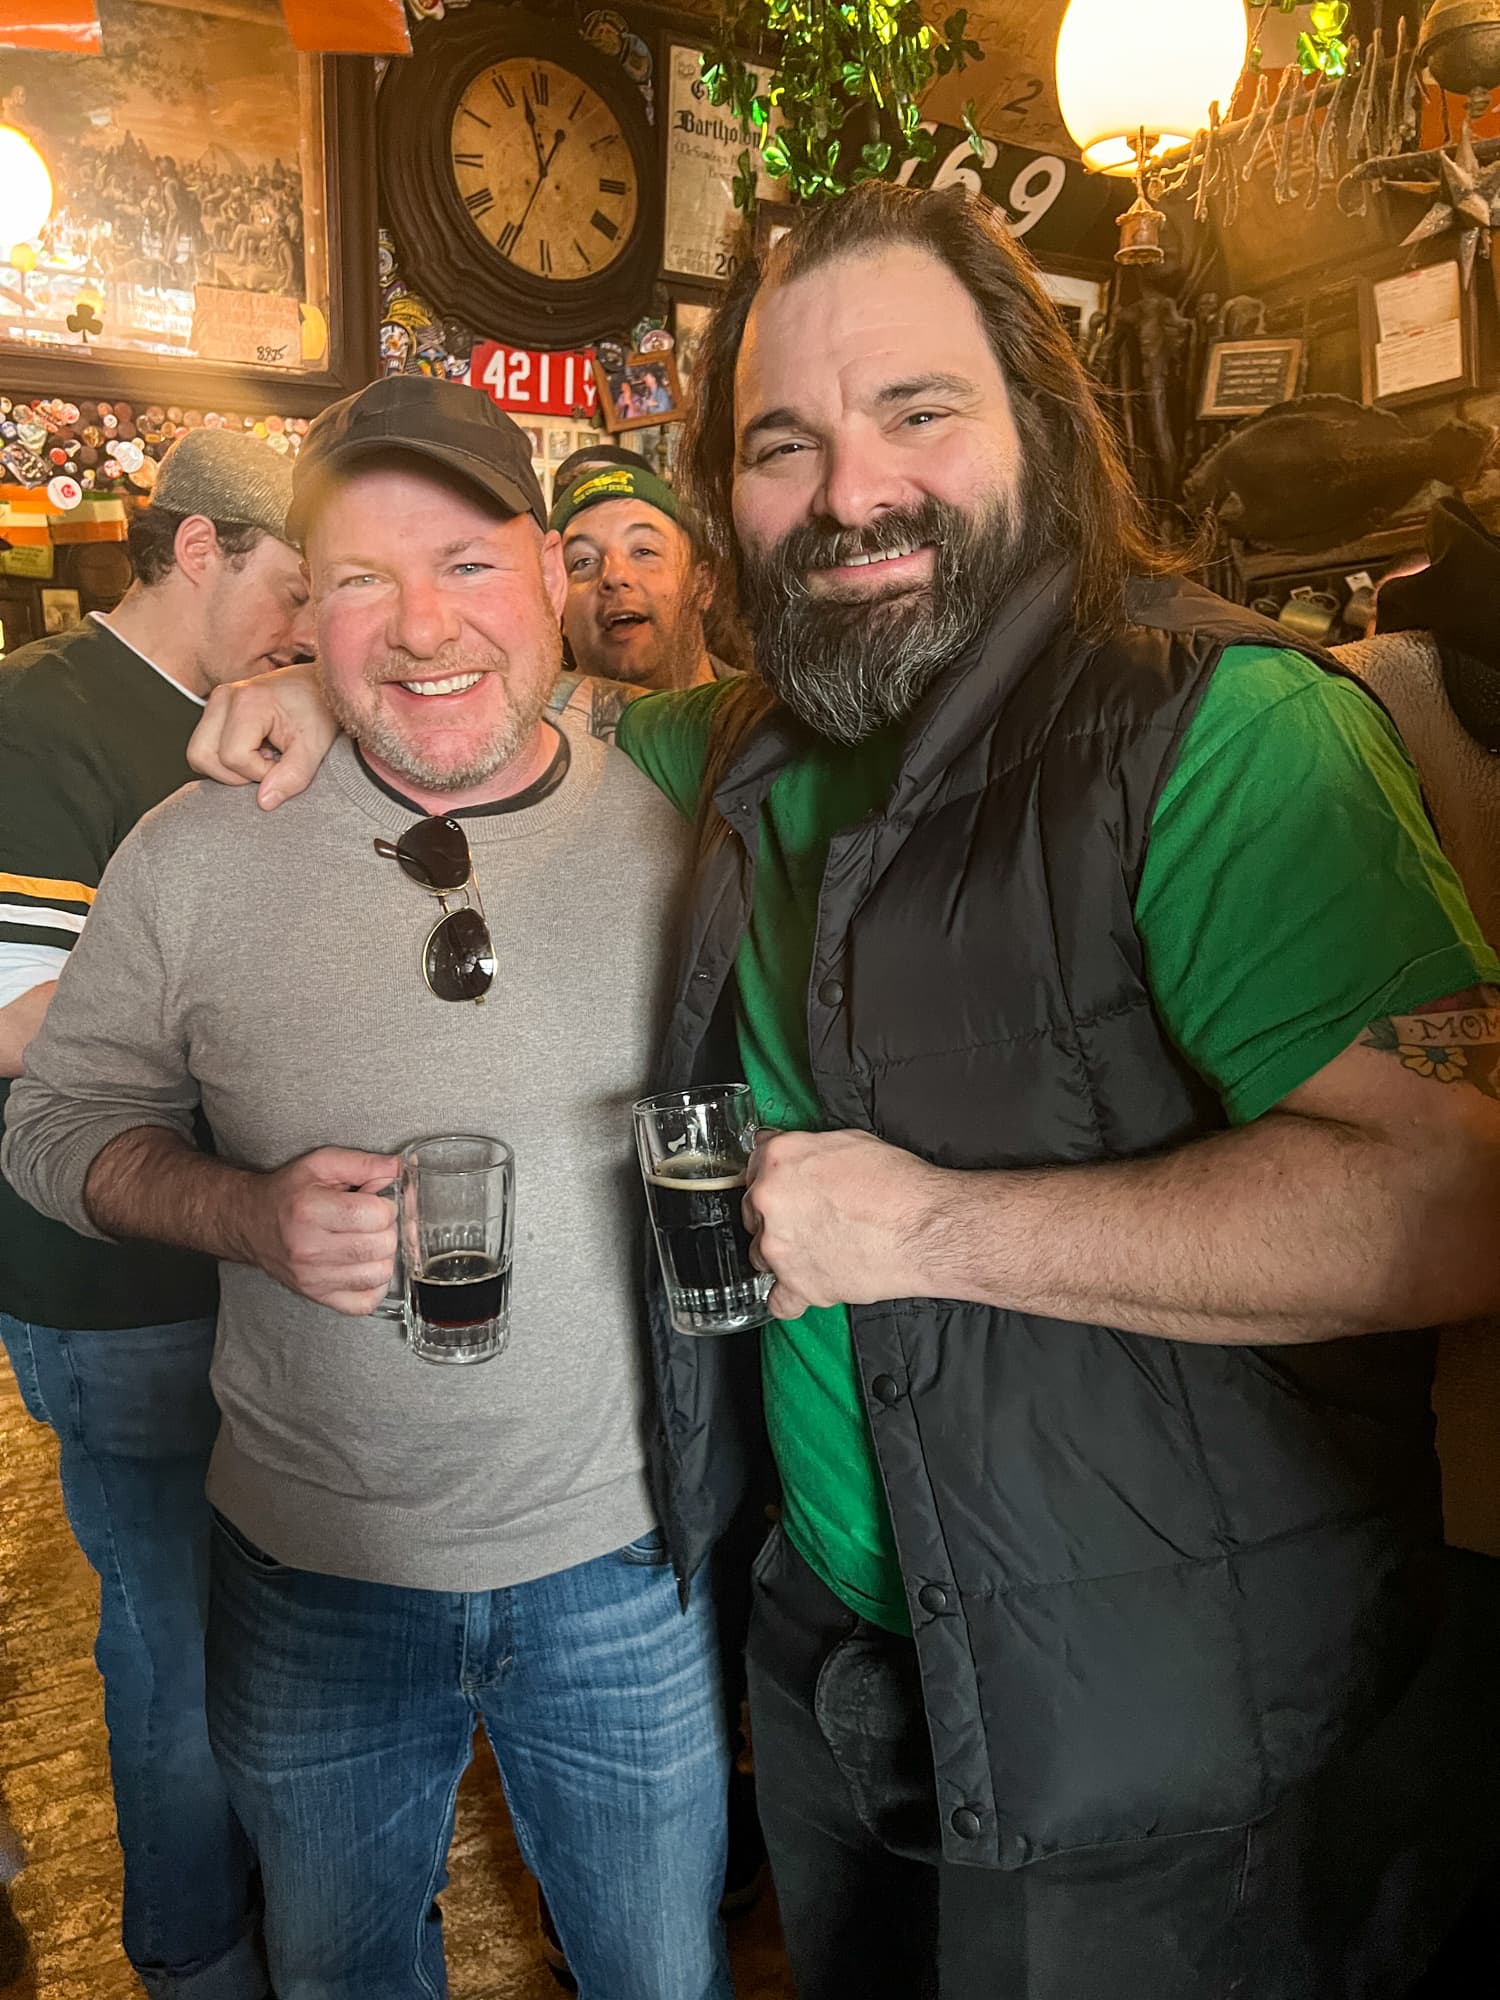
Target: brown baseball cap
x,y
455,427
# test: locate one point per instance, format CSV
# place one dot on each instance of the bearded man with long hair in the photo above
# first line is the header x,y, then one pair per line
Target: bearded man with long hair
x,y
1088,947
1129,1061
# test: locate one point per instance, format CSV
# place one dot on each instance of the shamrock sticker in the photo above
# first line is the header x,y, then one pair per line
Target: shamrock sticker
x,y
85,321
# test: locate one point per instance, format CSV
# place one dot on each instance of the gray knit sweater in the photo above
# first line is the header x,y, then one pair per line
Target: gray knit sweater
x,y
269,966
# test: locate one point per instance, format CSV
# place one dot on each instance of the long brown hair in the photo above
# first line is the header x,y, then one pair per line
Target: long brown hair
x,y
1075,464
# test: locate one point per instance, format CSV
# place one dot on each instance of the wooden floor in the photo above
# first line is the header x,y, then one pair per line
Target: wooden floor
x,y
54,1780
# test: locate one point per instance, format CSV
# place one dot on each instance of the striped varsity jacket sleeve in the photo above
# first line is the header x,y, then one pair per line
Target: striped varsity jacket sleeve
x,y
55,839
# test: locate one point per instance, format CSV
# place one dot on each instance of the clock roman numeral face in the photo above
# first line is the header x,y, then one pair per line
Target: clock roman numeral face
x,y
543,169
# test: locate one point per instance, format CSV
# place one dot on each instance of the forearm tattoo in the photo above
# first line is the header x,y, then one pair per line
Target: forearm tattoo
x,y
1456,1040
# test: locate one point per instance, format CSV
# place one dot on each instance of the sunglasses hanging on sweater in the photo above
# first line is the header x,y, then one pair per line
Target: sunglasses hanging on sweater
x,y
458,959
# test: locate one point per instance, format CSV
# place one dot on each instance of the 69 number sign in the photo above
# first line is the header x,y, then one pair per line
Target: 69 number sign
x,y
1051,202
534,384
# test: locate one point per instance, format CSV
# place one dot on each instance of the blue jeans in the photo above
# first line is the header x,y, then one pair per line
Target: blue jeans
x,y
135,1423
343,1714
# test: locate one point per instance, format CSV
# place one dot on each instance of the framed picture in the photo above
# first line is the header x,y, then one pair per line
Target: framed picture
x,y
772,221
689,318
1077,299
60,609
1243,377
212,239
1417,334
641,389
703,233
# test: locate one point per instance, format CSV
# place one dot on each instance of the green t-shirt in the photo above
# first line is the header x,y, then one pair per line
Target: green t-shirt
x,y
92,736
1293,891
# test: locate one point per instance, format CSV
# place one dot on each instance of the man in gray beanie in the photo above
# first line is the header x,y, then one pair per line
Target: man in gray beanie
x,y
111,1342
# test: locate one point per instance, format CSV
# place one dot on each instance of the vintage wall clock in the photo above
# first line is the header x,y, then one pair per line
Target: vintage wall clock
x,y
518,173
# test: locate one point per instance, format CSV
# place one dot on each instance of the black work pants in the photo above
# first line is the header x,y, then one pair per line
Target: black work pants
x,y
1343,1893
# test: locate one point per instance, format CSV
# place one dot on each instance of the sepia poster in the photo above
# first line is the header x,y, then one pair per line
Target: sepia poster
x,y
704,142
187,156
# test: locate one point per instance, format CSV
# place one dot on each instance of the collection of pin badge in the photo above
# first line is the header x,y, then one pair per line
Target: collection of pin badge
x,y
78,448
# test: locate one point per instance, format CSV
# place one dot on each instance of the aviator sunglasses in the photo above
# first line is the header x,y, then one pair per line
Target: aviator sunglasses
x,y
458,959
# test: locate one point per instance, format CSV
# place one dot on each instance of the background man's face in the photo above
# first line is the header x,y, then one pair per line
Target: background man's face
x,y
636,598
437,623
259,613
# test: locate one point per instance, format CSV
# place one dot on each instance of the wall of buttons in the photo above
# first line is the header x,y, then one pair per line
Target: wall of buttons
x,y
70,473
112,447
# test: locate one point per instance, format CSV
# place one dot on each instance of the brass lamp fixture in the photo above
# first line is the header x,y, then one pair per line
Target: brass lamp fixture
x,y
1140,81
1460,45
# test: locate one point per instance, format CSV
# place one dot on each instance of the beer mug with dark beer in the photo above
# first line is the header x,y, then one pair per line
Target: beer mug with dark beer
x,y
694,1148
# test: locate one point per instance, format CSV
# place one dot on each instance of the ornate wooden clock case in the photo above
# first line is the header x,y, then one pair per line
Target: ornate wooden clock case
x,y
519,174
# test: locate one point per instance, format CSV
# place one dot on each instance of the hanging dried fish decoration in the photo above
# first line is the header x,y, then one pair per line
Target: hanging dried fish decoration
x,y
1325,172
1359,146
1409,124
1265,135
1307,151
1332,149
1390,124
1231,178
1209,163
1283,188
1258,123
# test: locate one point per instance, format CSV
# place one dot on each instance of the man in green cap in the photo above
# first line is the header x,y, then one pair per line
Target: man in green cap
x,y
111,1342
639,583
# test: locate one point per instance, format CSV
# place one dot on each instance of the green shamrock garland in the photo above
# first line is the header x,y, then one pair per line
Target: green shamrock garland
x,y
844,88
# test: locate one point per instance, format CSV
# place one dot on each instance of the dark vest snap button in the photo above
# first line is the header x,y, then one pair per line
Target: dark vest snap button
x,y
831,992
887,1389
932,1597
965,1823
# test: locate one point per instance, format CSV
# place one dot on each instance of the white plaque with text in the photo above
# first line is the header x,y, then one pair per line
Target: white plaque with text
x,y
704,142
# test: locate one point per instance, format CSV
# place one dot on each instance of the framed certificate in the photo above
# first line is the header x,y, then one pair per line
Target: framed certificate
x,y
1417,334
702,232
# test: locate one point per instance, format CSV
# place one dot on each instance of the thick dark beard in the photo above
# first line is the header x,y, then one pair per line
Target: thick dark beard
x,y
847,668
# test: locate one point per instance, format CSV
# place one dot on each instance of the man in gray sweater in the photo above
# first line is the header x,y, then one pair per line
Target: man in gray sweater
x,y
402,1549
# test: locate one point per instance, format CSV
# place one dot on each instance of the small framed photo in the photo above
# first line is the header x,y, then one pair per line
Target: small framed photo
x,y
1077,300
772,221
60,609
1243,377
639,390
689,318
1417,334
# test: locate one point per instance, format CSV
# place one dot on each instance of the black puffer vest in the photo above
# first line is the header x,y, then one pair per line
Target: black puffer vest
x,y
1153,1584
